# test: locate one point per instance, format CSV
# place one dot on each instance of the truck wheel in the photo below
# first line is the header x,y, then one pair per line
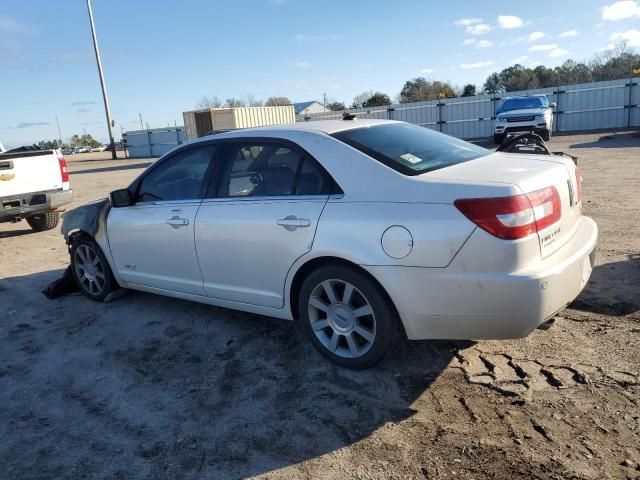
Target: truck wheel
x,y
498,138
546,135
91,270
43,221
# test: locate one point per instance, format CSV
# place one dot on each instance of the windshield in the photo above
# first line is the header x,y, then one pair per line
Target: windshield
x,y
410,149
521,103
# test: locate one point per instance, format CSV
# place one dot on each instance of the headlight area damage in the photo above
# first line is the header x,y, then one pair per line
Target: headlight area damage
x,y
87,220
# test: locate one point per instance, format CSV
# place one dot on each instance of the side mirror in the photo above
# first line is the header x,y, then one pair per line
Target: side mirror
x,y
552,104
121,198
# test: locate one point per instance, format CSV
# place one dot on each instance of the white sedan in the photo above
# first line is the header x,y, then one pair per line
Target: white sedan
x,y
362,230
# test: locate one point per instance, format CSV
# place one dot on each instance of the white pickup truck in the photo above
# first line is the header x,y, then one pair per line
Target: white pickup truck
x,y
34,185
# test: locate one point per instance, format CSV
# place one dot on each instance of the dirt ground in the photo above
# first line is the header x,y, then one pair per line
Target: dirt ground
x,y
158,388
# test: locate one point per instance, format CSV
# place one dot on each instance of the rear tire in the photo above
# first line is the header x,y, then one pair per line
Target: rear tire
x,y
347,316
498,138
91,270
41,222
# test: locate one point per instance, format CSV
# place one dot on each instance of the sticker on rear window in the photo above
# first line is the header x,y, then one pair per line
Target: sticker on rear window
x,y
410,157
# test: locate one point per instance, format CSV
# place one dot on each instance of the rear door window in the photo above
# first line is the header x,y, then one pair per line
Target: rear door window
x,y
410,149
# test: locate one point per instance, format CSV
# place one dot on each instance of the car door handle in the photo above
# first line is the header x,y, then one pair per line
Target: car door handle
x,y
177,222
291,222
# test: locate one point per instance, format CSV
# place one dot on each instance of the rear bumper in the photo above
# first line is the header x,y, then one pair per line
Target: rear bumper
x,y
436,303
23,205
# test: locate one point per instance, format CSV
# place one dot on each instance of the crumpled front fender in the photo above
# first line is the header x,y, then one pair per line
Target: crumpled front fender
x,y
90,218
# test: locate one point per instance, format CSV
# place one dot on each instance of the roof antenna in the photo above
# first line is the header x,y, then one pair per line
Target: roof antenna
x,y
348,116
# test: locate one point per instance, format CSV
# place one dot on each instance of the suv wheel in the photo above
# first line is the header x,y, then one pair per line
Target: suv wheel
x,y
498,138
91,270
347,316
546,135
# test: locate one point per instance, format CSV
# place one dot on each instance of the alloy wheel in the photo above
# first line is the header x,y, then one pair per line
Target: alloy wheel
x,y
342,318
89,270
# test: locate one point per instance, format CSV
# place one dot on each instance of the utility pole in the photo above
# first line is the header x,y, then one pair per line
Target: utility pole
x,y
141,124
324,100
59,134
112,145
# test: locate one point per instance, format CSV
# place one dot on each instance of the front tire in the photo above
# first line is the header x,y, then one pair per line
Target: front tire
x,y
498,138
347,316
546,135
41,222
91,270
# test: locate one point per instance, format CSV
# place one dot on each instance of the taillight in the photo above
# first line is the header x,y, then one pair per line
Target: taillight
x,y
514,217
63,168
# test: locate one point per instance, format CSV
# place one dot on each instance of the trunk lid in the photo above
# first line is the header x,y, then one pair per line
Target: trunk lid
x,y
529,173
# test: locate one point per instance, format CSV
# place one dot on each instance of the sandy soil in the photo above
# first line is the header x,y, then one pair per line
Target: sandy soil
x,y
151,387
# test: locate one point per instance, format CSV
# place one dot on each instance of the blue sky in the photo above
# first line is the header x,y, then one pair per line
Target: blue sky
x,y
161,56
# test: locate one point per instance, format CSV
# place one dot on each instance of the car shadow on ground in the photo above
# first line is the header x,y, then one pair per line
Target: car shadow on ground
x,y
618,140
154,387
111,169
15,233
613,289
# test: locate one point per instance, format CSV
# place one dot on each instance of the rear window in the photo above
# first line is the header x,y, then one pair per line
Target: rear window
x,y
410,149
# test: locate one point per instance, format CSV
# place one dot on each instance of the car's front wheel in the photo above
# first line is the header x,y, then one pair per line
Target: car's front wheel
x,y
91,270
498,138
347,316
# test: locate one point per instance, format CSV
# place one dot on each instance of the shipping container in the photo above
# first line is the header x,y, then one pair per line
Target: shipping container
x,y
200,122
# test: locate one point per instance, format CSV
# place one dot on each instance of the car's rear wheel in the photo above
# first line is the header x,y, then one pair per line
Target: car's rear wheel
x,y
91,270
41,222
347,316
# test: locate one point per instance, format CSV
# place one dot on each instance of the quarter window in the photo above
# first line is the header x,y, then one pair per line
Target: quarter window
x,y
179,177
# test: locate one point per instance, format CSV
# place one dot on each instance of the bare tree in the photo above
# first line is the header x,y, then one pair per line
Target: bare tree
x,y
252,101
277,102
235,102
208,102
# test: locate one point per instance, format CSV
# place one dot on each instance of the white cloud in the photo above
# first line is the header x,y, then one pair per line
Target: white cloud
x,y
608,47
621,10
303,65
301,37
465,22
469,41
533,36
479,29
509,21
543,47
485,44
568,33
8,25
426,70
632,37
558,52
476,65
520,59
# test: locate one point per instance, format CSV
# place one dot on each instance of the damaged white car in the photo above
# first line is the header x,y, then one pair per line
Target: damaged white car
x,y
362,230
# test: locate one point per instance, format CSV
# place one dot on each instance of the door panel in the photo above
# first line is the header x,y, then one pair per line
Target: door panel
x,y
152,245
246,246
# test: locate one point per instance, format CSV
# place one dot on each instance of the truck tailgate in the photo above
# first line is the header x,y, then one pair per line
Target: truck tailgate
x,y
26,172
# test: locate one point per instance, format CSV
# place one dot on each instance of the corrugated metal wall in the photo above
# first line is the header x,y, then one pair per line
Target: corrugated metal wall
x,y
587,106
153,142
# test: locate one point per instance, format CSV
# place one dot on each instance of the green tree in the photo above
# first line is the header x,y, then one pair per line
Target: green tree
x,y
49,144
469,90
85,140
420,89
493,84
336,106
377,99
277,102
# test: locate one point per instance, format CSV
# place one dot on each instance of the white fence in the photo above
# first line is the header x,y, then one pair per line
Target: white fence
x,y
582,107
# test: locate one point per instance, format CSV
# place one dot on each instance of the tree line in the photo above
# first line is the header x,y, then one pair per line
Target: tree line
x,y
611,64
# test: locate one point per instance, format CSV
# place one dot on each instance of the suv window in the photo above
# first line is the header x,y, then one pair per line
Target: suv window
x,y
410,149
269,169
179,177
